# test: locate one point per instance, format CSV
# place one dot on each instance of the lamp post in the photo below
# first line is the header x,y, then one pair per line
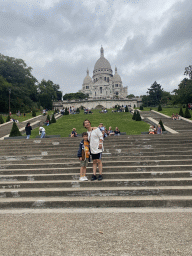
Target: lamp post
x,y
147,98
9,101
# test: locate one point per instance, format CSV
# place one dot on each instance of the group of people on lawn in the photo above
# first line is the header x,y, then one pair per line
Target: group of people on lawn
x,y
155,130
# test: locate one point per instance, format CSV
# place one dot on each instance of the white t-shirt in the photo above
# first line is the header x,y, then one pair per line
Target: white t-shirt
x,y
42,129
94,136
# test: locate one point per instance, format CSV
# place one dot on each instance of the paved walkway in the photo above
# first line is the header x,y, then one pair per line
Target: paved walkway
x,y
96,232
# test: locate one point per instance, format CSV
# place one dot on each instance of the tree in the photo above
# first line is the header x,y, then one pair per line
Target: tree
x,y
188,71
1,120
53,120
15,131
159,107
66,112
187,114
162,126
130,96
126,109
48,118
8,118
183,94
74,96
138,117
155,94
181,112
20,80
141,108
33,113
134,115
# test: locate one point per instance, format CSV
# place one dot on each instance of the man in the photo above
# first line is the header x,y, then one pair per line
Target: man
x,y
95,138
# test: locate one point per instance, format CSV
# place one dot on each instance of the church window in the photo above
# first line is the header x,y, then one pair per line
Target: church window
x,y
101,90
107,79
116,93
116,85
87,87
95,93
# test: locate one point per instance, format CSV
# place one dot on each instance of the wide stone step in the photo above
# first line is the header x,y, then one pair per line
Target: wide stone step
x,y
118,163
97,191
106,175
96,201
157,168
7,187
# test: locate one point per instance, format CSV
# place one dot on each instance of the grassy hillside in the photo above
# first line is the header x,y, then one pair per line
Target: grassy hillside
x,y
123,121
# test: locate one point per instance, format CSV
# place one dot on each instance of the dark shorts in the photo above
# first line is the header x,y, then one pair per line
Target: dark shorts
x,y
96,156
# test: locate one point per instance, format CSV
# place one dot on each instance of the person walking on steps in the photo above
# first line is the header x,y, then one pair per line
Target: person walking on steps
x,y
95,138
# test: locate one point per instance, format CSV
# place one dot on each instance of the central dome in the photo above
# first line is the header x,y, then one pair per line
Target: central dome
x,y
102,62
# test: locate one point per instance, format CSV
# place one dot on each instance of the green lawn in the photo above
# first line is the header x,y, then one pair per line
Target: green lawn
x,y
123,120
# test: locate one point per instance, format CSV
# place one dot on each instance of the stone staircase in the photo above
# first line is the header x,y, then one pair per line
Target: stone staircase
x,y
138,171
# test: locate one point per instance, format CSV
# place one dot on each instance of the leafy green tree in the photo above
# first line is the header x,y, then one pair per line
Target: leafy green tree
x,y
188,71
33,113
8,118
75,96
66,112
141,108
1,120
53,120
155,94
162,126
130,96
15,131
159,107
181,112
48,118
187,114
183,94
138,117
126,109
134,115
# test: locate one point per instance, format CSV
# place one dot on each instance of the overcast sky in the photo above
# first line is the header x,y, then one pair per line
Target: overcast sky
x,y
148,40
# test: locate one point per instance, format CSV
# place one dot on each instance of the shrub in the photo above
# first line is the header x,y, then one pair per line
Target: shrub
x,y
15,131
8,118
138,117
134,106
1,119
66,112
141,108
162,126
187,114
53,120
33,113
126,109
48,118
134,115
159,108
181,112
78,110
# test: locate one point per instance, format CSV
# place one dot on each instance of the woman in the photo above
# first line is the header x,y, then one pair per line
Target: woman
x,y
28,129
159,129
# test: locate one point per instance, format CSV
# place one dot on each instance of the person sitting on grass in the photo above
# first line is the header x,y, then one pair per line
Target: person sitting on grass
x,y
117,132
84,156
73,133
152,129
173,117
110,131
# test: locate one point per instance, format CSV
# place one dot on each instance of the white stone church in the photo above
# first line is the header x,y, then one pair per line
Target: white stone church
x,y
103,84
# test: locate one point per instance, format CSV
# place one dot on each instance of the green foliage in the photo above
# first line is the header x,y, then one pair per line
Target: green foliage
x,y
130,96
82,108
48,118
78,110
183,94
138,117
159,107
188,71
181,112
66,112
74,96
126,109
33,113
141,108
53,120
134,115
162,126
8,118
155,95
14,131
1,120
187,113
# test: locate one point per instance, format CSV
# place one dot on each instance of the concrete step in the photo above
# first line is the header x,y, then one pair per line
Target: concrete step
x,y
19,186
96,201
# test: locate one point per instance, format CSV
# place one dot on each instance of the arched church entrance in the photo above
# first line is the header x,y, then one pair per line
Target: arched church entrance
x,y
99,107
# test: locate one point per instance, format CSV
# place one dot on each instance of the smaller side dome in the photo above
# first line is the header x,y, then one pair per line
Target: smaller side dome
x,y
87,79
116,77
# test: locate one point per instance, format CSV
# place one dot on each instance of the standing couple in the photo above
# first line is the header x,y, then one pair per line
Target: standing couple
x,y
95,138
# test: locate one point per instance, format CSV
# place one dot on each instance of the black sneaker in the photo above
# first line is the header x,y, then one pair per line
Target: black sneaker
x,y
93,177
100,177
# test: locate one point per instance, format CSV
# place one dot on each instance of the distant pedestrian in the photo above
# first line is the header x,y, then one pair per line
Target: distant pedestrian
x,y
42,132
28,129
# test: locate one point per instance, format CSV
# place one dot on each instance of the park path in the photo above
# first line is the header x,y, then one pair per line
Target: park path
x,y
5,129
